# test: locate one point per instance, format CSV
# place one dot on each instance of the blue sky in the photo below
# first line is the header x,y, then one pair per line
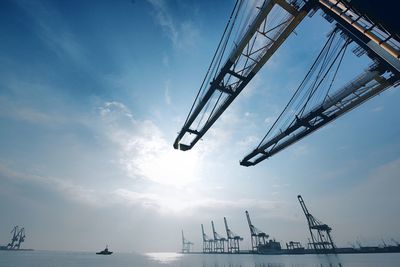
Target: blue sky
x,y
92,94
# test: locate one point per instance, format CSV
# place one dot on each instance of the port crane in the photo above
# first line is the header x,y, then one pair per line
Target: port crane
x,y
207,242
219,241
14,239
186,244
318,100
321,239
233,239
229,74
396,242
21,238
258,238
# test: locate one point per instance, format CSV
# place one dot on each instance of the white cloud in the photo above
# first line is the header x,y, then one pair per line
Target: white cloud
x,y
65,188
182,34
269,120
165,60
18,111
377,109
54,32
249,141
300,150
144,152
187,203
167,95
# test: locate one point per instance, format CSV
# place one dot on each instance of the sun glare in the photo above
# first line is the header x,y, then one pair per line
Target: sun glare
x,y
171,167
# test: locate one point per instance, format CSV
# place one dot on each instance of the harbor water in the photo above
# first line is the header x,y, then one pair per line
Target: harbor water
x,y
69,259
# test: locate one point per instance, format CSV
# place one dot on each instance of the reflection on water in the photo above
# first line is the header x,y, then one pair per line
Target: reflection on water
x,y
272,261
251,260
75,259
272,265
177,259
164,257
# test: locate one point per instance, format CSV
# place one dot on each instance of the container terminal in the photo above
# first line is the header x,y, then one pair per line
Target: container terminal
x,y
368,29
319,242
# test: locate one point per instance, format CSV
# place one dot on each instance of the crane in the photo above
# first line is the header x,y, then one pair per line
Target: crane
x,y
207,241
396,242
321,238
21,238
186,244
219,241
318,99
14,239
258,238
233,239
229,73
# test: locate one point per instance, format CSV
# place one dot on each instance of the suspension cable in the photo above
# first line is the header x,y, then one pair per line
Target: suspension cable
x,y
214,56
294,96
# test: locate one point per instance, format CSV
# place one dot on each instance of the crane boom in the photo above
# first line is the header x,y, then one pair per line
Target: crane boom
x,y
242,64
321,239
249,222
228,231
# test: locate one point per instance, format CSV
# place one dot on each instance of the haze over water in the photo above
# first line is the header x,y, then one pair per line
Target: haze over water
x,y
66,259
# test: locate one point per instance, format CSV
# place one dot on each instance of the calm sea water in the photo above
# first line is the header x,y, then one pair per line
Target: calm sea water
x,y
66,259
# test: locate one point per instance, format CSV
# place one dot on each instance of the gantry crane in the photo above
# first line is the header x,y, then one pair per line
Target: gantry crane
x,y
258,238
186,244
14,238
229,74
318,99
219,241
233,239
321,239
316,102
207,242
396,242
21,238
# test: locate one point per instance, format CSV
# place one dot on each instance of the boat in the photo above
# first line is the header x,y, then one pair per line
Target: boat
x,y
271,247
105,252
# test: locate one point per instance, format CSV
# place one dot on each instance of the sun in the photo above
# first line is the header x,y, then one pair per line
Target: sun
x,y
171,167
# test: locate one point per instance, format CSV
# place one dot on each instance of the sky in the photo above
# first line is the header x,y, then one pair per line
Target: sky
x,y
93,93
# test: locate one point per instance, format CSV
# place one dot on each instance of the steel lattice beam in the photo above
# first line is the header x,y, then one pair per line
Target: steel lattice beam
x,y
364,87
356,92
244,62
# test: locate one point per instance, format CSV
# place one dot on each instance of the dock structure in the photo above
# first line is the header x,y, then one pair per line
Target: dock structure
x,y
319,242
295,247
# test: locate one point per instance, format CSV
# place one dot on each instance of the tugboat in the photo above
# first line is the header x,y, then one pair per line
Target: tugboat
x,y
104,252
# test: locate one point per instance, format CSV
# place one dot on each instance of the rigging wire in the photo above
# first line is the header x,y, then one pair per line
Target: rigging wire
x,y
323,78
322,66
334,76
217,66
212,61
298,90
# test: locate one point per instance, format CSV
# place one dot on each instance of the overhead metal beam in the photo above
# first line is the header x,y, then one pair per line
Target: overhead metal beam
x,y
241,66
350,96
